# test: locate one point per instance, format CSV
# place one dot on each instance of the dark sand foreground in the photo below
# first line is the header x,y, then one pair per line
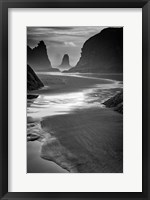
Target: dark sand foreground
x,y
85,141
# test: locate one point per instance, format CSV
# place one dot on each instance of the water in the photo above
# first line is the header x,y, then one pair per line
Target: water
x,y
56,104
106,76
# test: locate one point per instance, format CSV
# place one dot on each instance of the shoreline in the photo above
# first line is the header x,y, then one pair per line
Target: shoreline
x,y
85,128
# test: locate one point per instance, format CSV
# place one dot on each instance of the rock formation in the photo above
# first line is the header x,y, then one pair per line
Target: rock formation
x,y
115,102
33,82
102,53
65,65
38,59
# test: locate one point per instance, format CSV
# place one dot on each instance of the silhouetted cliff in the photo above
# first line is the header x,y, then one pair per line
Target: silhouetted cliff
x,y
38,59
65,65
33,82
102,53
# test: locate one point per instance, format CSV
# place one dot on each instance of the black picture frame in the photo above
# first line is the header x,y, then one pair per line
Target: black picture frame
x,y
4,6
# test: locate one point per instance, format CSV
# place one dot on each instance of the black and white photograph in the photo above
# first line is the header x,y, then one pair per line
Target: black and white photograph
x,y
74,99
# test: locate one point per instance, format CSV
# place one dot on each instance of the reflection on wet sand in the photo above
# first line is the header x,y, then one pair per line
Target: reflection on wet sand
x,y
56,104
35,164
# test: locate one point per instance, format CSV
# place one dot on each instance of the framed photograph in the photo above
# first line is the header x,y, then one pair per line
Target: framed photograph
x,y
74,99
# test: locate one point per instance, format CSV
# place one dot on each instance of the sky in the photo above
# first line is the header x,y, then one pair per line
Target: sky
x,y
62,40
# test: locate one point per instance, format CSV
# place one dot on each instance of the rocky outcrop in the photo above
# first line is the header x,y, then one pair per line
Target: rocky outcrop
x,y
102,53
33,82
115,102
38,59
65,65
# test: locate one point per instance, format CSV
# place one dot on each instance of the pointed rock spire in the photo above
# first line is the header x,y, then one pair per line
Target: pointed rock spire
x,y
65,63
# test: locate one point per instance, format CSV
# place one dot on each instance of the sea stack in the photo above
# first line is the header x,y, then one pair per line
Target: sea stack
x,y
38,59
102,53
65,65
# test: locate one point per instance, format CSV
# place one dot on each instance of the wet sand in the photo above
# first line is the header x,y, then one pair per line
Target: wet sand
x,y
85,139
35,164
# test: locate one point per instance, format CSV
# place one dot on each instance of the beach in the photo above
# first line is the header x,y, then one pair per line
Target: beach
x,y
71,129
